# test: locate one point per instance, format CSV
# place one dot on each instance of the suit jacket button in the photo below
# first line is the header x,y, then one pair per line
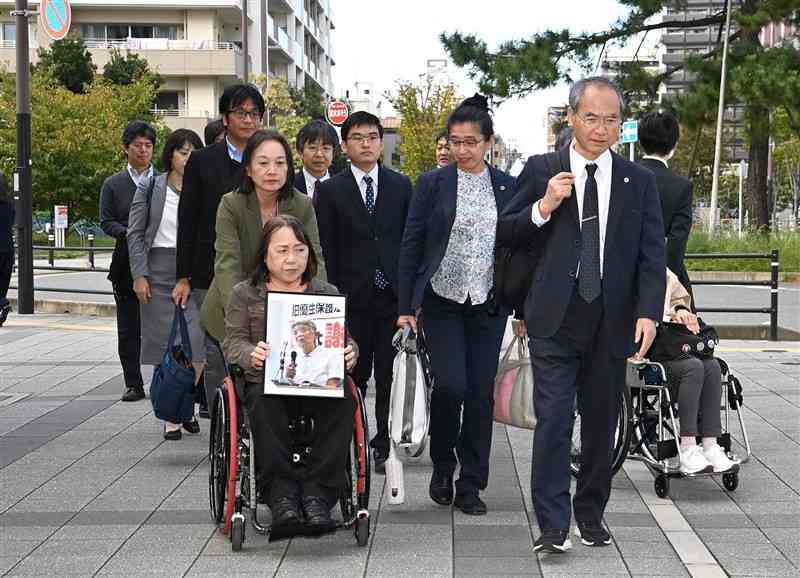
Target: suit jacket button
x,y
573,273
577,242
376,238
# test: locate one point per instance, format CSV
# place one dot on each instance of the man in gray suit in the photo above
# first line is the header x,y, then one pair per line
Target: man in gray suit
x,y
138,141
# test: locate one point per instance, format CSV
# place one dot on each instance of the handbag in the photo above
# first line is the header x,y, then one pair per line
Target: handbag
x,y
675,341
514,267
513,387
172,389
410,398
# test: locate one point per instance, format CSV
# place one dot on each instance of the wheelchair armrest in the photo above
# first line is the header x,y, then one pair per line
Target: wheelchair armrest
x,y
237,377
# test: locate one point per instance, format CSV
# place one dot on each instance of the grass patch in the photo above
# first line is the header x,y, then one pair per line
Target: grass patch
x,y
72,240
788,243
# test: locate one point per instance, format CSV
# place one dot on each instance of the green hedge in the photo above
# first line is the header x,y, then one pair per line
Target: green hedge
x,y
788,243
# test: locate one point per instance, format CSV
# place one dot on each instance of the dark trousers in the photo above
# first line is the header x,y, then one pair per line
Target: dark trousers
x,y
576,361
464,344
6,266
129,335
214,371
323,472
372,328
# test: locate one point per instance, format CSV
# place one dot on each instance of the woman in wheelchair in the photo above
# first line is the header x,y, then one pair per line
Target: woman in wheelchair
x,y
699,384
300,496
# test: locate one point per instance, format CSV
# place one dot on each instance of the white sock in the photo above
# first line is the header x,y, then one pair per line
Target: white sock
x,y
688,441
709,443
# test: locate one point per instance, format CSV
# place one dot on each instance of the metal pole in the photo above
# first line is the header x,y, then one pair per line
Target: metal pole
x,y
90,238
632,152
22,177
773,306
741,192
245,43
51,241
712,217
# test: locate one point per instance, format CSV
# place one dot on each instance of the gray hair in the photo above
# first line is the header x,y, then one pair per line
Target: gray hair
x,y
576,90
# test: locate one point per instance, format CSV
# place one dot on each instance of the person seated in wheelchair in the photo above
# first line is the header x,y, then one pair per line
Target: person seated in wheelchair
x,y
300,495
315,365
699,384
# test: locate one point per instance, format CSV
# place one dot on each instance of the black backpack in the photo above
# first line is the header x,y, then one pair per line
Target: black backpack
x,y
514,267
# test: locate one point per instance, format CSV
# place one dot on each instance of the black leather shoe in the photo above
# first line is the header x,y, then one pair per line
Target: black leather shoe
x,y
379,458
441,489
133,394
318,516
470,504
172,435
192,427
4,311
203,413
287,521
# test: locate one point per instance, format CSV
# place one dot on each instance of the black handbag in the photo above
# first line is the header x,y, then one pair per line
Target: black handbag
x,y
172,389
514,267
674,341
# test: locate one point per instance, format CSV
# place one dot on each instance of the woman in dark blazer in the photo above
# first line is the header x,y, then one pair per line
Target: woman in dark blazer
x,y
446,277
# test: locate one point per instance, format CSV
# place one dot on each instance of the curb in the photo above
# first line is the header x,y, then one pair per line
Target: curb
x,y
783,276
74,307
755,332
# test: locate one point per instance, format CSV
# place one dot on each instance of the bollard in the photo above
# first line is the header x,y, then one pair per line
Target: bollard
x,y
773,309
90,237
51,241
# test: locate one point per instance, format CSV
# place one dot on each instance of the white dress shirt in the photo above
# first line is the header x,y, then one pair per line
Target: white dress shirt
x,y
656,158
577,165
167,234
139,177
319,366
311,180
362,186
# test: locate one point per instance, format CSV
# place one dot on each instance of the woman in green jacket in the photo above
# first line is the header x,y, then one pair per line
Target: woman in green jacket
x,y
267,190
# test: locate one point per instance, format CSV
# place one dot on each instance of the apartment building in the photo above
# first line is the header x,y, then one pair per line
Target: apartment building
x,y
196,45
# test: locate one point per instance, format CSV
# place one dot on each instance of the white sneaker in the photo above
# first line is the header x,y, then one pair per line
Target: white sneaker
x,y
693,461
717,458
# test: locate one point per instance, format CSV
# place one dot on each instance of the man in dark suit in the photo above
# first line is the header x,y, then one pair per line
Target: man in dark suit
x,y
361,214
316,143
116,196
598,290
6,247
658,134
209,174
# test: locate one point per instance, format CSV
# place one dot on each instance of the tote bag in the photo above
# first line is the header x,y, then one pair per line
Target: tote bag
x,y
513,387
172,388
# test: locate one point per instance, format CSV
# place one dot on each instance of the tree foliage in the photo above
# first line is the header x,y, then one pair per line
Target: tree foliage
x,y
128,68
282,111
423,108
76,137
69,62
762,80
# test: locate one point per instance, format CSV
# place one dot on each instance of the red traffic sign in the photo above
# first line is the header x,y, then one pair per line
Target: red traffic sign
x,y
337,112
55,17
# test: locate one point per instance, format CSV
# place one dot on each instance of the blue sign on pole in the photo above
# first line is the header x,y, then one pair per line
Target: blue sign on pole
x,y
55,17
630,131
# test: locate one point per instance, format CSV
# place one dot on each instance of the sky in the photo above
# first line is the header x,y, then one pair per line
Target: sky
x,y
381,41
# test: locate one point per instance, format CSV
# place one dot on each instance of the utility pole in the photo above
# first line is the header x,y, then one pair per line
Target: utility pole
x,y
22,176
712,217
245,43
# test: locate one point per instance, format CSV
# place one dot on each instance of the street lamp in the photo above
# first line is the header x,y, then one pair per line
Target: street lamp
x,y
712,217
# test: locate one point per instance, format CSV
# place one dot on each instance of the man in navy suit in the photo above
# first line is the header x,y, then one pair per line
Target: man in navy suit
x,y
361,213
597,293
316,142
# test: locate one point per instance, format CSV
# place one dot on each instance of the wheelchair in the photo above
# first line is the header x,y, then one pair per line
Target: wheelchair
x,y
647,427
232,487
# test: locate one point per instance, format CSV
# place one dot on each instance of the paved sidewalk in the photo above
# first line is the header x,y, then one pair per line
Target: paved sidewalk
x,y
89,487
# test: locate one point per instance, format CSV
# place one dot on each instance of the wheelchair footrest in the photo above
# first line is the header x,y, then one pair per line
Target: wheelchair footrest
x,y
666,450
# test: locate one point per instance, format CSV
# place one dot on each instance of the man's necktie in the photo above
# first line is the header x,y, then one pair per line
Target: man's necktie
x,y
589,276
380,279
316,190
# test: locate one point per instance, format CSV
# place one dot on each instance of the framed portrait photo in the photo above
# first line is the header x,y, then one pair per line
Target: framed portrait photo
x,y
307,338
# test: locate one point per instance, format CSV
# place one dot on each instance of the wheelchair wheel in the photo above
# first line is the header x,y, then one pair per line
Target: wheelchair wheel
x,y
730,481
218,459
237,534
362,531
661,486
358,466
622,435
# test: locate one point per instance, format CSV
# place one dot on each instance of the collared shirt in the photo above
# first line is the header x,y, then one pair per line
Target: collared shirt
x,y
233,152
319,366
577,165
467,268
140,177
362,186
311,180
656,158
167,234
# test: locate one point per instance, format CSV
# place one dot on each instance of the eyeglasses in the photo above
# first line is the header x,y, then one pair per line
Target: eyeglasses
x,y
593,121
243,114
314,149
364,138
469,143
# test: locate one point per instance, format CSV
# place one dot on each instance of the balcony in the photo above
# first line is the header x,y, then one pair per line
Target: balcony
x,y
283,49
174,57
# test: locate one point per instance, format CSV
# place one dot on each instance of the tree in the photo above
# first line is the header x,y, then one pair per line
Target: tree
x,y
281,111
761,79
69,62
127,69
76,137
308,101
423,108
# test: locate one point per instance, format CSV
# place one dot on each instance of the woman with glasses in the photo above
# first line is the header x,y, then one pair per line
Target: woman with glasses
x,y
266,191
446,279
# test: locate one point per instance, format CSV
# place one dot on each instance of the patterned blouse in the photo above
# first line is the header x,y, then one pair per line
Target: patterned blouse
x,y
467,269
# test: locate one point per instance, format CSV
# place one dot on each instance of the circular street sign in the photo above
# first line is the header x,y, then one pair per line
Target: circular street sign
x,y
55,17
337,112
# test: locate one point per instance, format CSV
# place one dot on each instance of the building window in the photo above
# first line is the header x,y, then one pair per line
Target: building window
x,y
167,101
112,32
8,32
